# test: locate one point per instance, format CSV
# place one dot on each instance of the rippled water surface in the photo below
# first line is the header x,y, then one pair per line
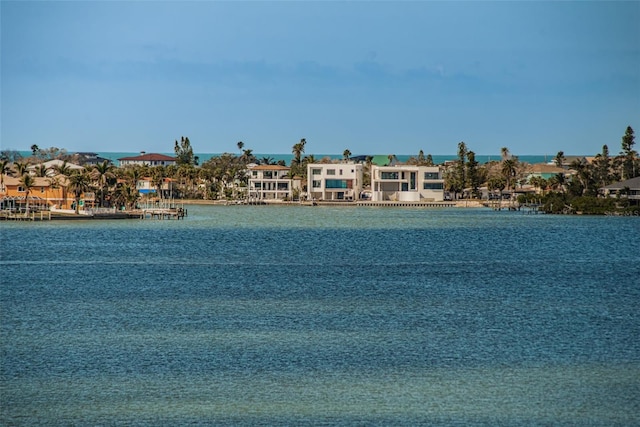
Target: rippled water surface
x,y
255,315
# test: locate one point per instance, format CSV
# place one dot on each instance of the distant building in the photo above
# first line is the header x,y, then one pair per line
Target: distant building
x,y
151,159
544,170
270,182
334,181
146,186
51,166
407,183
89,158
46,192
629,188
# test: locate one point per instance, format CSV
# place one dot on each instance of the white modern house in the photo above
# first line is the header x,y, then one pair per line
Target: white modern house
x,y
407,183
270,182
334,181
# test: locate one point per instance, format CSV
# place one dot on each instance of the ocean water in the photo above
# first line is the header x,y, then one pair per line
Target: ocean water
x,y
287,157
288,315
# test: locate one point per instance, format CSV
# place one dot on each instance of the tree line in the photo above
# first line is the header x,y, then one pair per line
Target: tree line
x,y
225,177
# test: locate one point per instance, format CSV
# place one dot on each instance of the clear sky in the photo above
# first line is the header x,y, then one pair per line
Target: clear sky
x,y
371,77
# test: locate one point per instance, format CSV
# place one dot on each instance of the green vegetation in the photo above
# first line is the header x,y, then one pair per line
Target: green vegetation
x,y
576,188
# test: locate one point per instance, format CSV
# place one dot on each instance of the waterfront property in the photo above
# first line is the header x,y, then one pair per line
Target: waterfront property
x,y
147,186
148,159
44,193
407,183
334,181
629,189
271,182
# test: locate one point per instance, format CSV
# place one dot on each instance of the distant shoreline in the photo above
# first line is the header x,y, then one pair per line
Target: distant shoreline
x,y
287,157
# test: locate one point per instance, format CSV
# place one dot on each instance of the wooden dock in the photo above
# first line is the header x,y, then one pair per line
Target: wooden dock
x,y
164,213
25,216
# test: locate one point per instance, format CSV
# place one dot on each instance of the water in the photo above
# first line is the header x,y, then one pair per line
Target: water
x,y
287,157
259,315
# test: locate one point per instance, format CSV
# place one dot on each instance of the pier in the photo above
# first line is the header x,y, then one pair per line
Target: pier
x,y
42,215
163,213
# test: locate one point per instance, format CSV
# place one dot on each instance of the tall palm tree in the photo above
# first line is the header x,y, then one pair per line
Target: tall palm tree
x,y
28,182
267,161
62,169
4,170
508,171
101,173
346,154
240,145
41,170
298,149
55,183
79,183
505,154
65,170
20,168
157,179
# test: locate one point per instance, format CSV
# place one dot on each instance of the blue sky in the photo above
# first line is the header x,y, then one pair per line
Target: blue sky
x,y
371,77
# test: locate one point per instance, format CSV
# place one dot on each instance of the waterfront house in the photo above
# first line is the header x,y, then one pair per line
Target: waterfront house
x,y
46,192
334,181
544,170
149,159
146,186
629,188
270,182
407,183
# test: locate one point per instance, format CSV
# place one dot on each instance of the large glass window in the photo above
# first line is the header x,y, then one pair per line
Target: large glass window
x,y
336,183
431,175
389,175
317,184
283,186
433,186
331,171
316,171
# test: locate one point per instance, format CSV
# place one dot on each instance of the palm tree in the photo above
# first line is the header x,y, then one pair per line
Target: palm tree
x,y
62,169
559,160
55,183
298,149
267,161
508,171
157,180
126,195
28,182
346,154
101,173
240,145
4,170
41,170
421,159
505,154
20,168
79,183
65,170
